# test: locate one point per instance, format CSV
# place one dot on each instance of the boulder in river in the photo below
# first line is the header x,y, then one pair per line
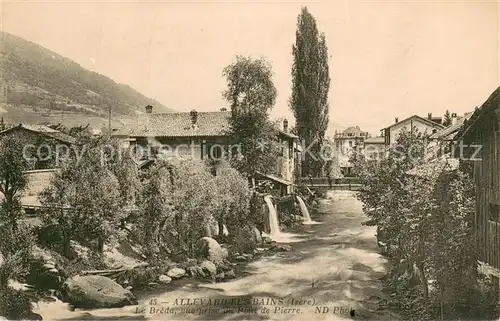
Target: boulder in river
x,y
267,240
208,268
164,279
95,291
281,248
211,250
257,236
176,273
230,274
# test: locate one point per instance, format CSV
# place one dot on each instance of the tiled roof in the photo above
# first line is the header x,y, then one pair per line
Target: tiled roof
x,y
352,130
450,132
374,140
46,131
214,123
179,125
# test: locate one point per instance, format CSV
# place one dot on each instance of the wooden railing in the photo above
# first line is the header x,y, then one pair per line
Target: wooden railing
x,y
345,183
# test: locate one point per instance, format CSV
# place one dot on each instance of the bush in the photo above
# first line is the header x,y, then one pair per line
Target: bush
x,y
244,241
41,278
14,304
16,248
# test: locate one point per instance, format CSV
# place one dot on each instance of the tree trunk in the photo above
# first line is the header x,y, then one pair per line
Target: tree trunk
x,y
221,235
9,199
66,245
424,282
100,244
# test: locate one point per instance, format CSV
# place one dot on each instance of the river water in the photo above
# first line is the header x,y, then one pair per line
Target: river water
x,y
333,269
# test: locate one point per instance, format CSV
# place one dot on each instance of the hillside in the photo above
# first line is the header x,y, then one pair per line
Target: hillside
x,y
39,85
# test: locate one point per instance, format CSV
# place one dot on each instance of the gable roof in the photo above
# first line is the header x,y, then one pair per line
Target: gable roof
x,y
451,131
178,125
44,130
421,119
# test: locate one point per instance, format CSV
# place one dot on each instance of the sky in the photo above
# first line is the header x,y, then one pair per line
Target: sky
x,y
387,58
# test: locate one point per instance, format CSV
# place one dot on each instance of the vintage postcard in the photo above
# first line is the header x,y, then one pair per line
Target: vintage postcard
x,y
249,160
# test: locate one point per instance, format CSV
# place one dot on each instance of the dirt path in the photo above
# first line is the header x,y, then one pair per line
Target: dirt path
x,y
334,268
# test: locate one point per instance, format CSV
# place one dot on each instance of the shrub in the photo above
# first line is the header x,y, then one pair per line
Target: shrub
x,y
16,248
14,304
244,241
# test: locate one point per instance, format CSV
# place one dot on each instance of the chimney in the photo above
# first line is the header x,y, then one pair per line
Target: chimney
x,y
285,126
223,109
149,109
429,116
194,117
396,120
454,118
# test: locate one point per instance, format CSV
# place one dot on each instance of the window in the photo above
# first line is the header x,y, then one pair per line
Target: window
x,y
350,143
29,211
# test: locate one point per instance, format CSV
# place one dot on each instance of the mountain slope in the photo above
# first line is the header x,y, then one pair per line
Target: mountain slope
x,y
36,81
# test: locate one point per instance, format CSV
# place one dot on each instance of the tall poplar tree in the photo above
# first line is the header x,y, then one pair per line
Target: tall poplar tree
x,y
310,86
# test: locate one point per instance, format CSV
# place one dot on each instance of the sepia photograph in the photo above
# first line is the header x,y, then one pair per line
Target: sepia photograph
x,y
249,160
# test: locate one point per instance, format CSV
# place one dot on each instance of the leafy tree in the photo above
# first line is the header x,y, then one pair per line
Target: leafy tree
x,y
156,224
425,224
83,198
79,130
447,118
178,200
310,86
251,95
232,207
13,162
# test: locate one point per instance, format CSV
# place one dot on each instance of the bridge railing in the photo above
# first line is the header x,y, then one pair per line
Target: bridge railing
x,y
321,181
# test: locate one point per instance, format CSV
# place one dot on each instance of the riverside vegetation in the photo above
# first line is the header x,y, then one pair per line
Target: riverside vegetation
x,y
142,228
104,220
425,226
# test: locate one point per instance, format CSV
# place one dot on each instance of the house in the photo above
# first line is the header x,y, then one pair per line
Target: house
x,y
35,132
426,126
480,148
443,141
38,180
346,143
203,135
374,148
46,145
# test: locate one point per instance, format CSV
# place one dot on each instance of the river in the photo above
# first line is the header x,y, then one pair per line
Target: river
x,y
333,269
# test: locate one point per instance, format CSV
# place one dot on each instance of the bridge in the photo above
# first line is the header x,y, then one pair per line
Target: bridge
x,y
345,183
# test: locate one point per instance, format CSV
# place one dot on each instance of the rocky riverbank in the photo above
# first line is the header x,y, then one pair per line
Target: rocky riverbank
x,y
120,284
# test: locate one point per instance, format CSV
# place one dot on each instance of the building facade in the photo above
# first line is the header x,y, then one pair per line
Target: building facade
x,y
374,148
204,136
426,126
347,143
481,138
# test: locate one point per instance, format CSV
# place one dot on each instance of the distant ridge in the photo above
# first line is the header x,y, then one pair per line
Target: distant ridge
x,y
39,85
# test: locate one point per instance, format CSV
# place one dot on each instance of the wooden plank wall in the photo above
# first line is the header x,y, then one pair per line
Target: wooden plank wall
x,y
487,178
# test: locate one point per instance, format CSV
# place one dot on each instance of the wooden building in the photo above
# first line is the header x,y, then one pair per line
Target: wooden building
x,y
480,141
